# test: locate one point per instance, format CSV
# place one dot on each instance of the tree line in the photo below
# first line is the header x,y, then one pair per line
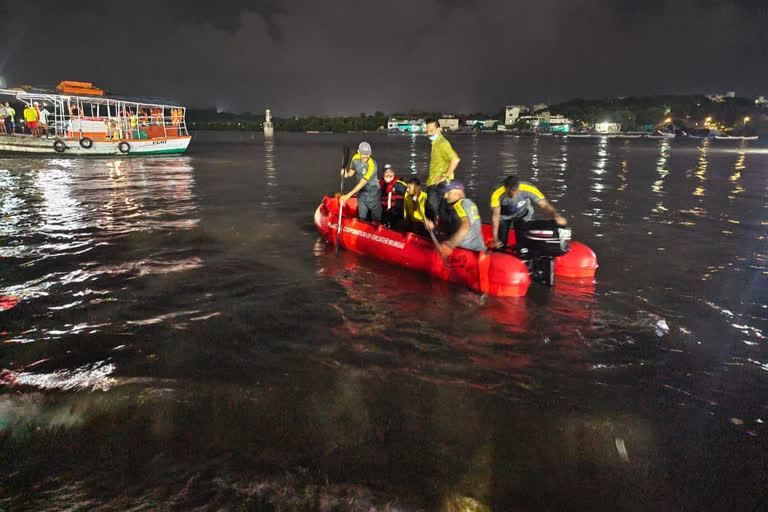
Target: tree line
x,y
637,113
644,113
210,119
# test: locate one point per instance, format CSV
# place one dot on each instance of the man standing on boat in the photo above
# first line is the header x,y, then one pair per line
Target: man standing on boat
x,y
465,215
442,163
3,114
42,121
369,199
511,203
30,117
10,125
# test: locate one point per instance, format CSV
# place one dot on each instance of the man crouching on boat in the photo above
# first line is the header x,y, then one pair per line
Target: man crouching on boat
x,y
511,203
369,199
465,216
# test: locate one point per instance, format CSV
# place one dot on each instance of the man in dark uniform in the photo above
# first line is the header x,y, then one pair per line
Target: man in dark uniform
x,y
369,198
468,233
512,202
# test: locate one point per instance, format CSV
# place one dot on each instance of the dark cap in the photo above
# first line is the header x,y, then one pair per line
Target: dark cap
x,y
452,185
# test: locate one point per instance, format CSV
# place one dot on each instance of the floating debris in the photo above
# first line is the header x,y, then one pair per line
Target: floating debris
x,y
622,449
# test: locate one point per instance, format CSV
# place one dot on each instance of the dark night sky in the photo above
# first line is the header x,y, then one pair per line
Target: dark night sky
x,y
345,57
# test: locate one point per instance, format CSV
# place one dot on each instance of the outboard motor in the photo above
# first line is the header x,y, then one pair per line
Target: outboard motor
x,y
538,243
543,238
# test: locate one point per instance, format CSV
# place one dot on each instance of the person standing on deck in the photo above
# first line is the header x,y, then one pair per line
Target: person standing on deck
x,y
3,114
369,199
30,117
10,124
42,121
442,163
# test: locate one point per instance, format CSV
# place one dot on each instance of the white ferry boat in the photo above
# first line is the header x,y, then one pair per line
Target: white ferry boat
x,y
83,121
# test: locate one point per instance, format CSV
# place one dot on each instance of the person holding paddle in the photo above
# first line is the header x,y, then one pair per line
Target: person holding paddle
x,y
369,197
465,215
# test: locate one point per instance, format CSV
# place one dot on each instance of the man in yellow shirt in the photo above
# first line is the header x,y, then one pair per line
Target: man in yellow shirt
x,y
30,117
442,163
10,115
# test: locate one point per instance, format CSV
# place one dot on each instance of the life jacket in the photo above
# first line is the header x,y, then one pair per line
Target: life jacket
x,y
397,197
413,209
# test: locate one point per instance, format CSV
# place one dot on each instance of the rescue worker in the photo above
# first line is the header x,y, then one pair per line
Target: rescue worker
x,y
392,192
414,206
369,199
512,203
466,218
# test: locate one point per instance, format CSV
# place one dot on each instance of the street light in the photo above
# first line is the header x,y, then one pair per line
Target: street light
x,y
668,120
746,119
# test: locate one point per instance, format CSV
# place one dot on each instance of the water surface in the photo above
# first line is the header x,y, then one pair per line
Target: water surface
x,y
183,339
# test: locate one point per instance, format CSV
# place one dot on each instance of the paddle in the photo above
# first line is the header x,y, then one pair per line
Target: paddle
x,y
431,233
344,163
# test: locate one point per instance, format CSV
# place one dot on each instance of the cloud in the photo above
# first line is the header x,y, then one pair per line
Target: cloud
x,y
339,56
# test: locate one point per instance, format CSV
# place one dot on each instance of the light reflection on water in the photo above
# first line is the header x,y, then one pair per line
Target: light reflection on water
x,y
67,217
184,304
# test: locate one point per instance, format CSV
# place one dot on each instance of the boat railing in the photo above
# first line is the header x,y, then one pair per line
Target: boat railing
x,y
121,123
103,118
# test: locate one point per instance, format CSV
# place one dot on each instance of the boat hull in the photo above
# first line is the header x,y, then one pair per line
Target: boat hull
x,y
496,273
22,144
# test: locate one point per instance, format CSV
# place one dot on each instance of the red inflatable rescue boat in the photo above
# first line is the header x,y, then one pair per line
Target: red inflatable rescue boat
x,y
496,273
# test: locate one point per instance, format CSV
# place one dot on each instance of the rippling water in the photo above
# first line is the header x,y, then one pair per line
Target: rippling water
x,y
174,335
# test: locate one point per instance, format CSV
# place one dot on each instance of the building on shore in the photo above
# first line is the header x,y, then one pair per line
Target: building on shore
x,y
554,123
512,113
449,123
482,124
607,127
406,125
538,107
544,122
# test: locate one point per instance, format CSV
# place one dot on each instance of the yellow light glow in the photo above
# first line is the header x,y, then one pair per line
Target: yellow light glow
x,y
708,119
668,120
746,119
